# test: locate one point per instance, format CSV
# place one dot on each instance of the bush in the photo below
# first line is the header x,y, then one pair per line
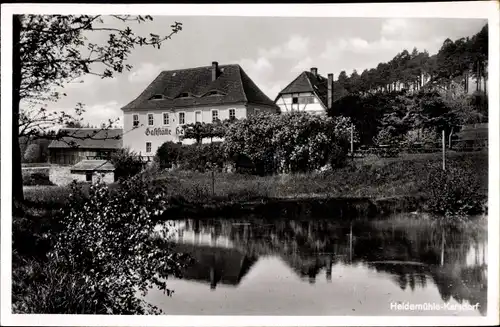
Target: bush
x,y
32,153
297,142
168,154
386,136
338,156
420,136
36,179
127,164
107,240
202,157
454,193
47,287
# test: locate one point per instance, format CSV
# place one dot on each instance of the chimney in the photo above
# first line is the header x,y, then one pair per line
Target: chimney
x,y
330,91
215,70
314,71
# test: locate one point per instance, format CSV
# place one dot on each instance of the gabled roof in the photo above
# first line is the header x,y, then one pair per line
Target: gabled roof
x,y
308,82
232,86
230,265
93,165
88,138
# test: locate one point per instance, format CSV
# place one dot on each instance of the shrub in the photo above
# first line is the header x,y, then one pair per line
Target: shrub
x,y
420,136
32,153
47,287
386,136
202,157
297,142
36,179
338,156
127,163
168,154
454,193
107,239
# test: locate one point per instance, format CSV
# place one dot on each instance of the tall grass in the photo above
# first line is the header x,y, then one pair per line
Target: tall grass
x,y
361,178
46,287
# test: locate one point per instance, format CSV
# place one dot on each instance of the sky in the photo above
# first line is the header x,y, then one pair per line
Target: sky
x,y
271,50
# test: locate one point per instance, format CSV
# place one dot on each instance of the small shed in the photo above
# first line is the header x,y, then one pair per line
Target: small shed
x,y
91,170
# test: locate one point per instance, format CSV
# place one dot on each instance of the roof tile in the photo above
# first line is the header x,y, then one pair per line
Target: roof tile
x,y
232,82
88,138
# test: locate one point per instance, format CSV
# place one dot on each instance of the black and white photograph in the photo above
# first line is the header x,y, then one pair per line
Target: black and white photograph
x,y
291,167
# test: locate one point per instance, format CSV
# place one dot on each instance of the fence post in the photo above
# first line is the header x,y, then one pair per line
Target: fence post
x,y
352,140
213,182
449,138
444,151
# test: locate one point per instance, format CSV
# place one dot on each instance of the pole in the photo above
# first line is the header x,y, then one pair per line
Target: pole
x,y
444,151
352,140
442,248
350,244
213,182
449,138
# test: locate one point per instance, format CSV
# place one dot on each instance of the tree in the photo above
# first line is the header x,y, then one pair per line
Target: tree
x,y
355,82
74,124
199,131
127,164
52,50
32,153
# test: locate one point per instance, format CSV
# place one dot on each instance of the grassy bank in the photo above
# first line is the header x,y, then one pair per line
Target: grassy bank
x,y
368,184
368,187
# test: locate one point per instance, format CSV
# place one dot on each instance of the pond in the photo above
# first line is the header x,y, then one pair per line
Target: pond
x,y
324,267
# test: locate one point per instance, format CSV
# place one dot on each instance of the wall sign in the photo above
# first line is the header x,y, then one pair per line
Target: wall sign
x,y
163,131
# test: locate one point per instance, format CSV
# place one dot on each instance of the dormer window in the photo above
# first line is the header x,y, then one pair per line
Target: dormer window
x,y
184,95
214,93
157,97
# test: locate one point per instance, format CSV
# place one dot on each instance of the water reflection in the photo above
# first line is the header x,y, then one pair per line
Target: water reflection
x,y
358,266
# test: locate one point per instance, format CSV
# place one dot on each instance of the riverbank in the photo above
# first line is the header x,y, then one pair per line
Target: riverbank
x,y
367,187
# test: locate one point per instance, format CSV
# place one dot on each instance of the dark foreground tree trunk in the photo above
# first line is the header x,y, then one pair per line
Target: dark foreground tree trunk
x,y
17,176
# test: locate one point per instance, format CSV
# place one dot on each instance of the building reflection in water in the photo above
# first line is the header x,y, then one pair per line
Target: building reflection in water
x,y
454,260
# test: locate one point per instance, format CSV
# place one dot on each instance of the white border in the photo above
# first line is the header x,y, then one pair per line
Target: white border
x,y
474,9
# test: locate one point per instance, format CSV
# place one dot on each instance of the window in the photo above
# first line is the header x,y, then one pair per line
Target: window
x,y
135,119
215,116
232,114
295,100
306,100
166,119
257,111
88,176
157,97
182,118
215,93
184,95
148,147
150,119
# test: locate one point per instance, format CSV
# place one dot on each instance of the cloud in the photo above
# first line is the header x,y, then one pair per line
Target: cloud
x,y
272,88
302,65
258,67
261,71
394,26
296,47
146,72
101,113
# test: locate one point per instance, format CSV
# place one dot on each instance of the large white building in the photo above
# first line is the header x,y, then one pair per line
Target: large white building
x,y
309,92
185,96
